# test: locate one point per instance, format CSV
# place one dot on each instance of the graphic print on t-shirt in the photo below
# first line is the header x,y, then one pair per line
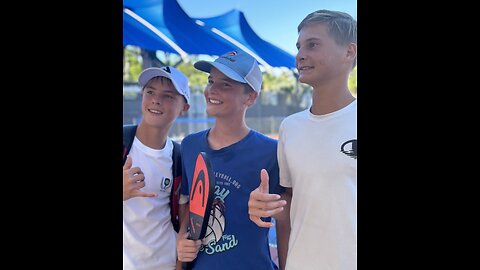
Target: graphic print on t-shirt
x,y
349,148
215,240
216,223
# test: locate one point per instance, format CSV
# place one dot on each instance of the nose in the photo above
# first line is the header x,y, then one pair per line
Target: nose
x,y
156,99
300,57
211,88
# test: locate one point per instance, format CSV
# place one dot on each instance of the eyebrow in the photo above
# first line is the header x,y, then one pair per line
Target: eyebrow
x,y
308,40
168,91
223,78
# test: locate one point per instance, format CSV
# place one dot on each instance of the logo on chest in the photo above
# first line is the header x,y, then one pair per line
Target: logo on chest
x,y
165,183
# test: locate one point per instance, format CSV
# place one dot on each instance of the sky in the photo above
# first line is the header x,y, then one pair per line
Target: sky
x,y
275,21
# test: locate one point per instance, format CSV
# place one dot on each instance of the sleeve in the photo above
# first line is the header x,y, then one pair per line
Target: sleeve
x,y
184,190
284,173
273,182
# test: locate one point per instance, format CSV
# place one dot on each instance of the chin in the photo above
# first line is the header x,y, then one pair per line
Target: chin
x,y
303,79
210,112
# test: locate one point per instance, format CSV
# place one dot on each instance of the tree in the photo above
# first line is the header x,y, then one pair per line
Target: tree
x,y
132,64
278,80
352,81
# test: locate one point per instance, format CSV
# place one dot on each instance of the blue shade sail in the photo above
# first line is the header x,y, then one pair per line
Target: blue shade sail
x,y
181,34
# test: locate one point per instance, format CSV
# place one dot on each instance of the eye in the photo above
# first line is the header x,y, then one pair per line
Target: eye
x,y
312,44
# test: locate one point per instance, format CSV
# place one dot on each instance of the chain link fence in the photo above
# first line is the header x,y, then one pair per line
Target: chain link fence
x,y
264,116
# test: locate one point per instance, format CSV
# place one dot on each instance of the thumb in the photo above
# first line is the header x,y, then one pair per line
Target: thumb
x,y
264,181
128,163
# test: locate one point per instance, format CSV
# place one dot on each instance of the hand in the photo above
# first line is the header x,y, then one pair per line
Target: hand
x,y
133,180
187,249
263,204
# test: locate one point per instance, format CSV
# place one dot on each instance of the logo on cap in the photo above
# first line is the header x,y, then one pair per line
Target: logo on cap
x,y
226,56
167,69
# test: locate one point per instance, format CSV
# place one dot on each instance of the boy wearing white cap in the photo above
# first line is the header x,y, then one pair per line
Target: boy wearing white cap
x,y
237,154
148,232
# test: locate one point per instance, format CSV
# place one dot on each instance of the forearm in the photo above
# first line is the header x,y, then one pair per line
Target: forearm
x,y
283,229
183,213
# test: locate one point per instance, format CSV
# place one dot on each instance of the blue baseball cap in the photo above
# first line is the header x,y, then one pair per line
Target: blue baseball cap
x,y
236,65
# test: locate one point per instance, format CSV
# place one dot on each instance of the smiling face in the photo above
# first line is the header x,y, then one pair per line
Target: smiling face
x,y
226,97
161,103
320,59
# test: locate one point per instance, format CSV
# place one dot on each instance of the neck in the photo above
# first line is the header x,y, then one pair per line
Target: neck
x,y
225,133
152,137
330,98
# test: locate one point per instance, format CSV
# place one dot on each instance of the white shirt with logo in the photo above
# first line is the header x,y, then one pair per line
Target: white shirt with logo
x,y
318,160
149,239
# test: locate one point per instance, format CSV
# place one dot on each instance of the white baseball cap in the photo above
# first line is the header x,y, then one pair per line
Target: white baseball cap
x,y
238,66
179,80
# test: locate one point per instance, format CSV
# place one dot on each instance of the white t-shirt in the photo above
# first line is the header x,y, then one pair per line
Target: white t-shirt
x,y
324,182
149,240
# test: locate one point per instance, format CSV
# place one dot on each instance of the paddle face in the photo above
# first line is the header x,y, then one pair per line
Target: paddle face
x,y
201,197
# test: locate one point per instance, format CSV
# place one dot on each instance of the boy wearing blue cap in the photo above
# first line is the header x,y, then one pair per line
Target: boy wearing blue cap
x,y
237,154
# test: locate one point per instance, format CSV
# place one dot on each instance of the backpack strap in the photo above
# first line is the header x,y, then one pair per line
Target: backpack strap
x,y
128,136
177,180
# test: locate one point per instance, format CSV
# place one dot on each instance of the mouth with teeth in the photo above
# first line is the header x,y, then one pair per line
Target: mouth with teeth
x,y
304,68
214,101
155,111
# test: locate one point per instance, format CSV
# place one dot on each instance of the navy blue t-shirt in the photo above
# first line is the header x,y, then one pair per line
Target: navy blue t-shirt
x,y
233,241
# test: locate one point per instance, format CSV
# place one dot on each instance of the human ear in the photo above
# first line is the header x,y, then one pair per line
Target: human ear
x,y
185,108
351,51
252,96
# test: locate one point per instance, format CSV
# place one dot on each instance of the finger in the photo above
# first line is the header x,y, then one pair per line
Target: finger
x,y
128,163
259,222
266,204
189,249
264,213
135,171
198,243
264,181
137,178
143,194
257,197
187,257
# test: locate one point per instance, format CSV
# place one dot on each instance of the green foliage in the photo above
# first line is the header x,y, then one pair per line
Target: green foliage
x,y
132,66
197,79
352,81
278,80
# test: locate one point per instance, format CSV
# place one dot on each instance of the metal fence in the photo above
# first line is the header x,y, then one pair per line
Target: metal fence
x,y
264,116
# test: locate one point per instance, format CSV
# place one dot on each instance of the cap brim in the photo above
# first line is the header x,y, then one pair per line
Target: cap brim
x,y
230,73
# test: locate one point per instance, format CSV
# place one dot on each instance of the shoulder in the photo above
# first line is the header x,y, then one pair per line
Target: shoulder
x,y
296,116
264,139
175,144
292,120
194,137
